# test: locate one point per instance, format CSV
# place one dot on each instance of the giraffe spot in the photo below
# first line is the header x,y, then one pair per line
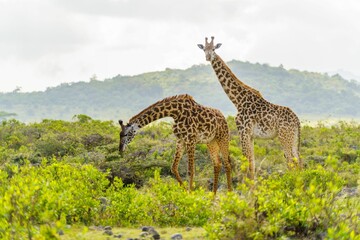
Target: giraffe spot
x,y
201,119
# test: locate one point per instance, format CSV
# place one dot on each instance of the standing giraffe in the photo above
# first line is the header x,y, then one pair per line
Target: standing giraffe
x,y
194,124
256,117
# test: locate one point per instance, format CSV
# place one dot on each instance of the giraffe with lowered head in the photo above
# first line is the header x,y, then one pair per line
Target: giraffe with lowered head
x,y
256,117
193,124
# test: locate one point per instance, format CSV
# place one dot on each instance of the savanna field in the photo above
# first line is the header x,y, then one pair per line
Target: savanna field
x,y
66,180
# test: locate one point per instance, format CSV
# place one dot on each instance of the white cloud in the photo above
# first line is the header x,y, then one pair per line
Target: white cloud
x,y
44,43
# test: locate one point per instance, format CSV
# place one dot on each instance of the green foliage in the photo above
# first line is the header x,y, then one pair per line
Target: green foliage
x,y
175,206
304,204
39,201
42,196
55,173
127,207
162,203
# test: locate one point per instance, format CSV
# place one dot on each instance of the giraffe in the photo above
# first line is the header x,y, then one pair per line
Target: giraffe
x,y
256,117
193,123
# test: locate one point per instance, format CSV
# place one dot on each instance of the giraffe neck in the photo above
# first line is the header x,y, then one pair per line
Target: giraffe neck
x,y
236,90
168,107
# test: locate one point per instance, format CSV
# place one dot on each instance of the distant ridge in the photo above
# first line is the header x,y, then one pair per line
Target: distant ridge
x,y
307,93
345,74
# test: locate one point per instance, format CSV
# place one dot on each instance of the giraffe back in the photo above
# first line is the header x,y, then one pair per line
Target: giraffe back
x,y
200,123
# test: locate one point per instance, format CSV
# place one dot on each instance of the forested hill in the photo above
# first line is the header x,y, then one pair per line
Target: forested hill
x,y
306,93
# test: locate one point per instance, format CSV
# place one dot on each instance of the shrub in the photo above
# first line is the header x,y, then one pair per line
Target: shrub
x,y
296,204
41,196
161,203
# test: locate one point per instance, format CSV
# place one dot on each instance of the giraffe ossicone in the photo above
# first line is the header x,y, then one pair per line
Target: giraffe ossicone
x,y
193,124
256,117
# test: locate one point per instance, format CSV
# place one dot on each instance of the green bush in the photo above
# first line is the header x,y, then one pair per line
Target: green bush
x,y
42,196
126,205
299,204
163,203
56,172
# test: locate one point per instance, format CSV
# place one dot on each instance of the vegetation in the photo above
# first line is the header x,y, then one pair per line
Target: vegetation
x,y
4,115
121,97
56,174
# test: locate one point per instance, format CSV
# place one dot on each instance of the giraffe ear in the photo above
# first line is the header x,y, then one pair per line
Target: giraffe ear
x,y
201,46
218,45
121,123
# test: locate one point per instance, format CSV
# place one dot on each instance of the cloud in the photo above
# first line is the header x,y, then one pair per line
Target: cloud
x,y
200,11
54,41
29,32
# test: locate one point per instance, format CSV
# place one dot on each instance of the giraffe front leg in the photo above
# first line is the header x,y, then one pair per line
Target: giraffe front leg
x,y
247,145
177,158
191,167
244,127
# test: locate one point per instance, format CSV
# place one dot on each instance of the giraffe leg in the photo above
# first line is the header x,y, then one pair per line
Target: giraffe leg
x,y
214,155
191,167
295,148
247,144
224,149
289,143
177,158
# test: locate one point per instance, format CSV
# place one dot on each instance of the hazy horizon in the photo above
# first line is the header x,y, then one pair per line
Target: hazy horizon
x,y
46,43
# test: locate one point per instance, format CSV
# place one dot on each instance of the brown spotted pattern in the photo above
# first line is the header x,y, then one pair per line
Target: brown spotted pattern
x,y
193,124
256,117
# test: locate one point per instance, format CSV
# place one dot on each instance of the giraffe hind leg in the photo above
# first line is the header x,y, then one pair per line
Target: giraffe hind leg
x,y
289,144
191,167
177,158
224,149
214,155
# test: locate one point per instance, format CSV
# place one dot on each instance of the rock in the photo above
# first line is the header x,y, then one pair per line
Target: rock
x,y
349,192
176,236
103,200
60,232
150,231
146,228
188,229
155,235
108,232
107,228
144,234
117,236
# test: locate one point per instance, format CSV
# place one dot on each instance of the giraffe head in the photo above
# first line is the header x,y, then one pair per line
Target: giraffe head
x,y
209,48
127,134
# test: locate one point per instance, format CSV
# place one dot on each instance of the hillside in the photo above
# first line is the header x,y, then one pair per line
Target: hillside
x,y
306,93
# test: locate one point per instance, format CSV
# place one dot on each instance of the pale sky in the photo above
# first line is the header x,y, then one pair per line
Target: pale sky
x,y
45,43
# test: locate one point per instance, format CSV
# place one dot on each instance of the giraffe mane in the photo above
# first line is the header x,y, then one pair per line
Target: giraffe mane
x,y
234,76
167,99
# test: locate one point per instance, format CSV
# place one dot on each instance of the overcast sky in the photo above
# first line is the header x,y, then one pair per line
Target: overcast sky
x,y
47,42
